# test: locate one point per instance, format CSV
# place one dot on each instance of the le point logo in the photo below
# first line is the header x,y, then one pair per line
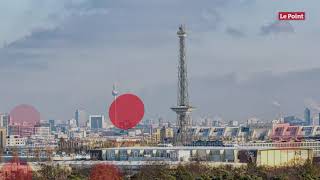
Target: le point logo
x,y
292,16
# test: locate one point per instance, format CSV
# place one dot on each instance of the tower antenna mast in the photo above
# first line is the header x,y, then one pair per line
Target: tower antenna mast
x,y
183,108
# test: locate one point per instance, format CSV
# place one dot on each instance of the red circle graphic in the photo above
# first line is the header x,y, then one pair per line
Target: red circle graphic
x,y
126,111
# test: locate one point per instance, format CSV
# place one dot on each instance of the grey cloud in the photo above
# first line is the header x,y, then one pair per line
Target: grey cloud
x,y
98,23
277,27
39,38
124,22
103,41
235,32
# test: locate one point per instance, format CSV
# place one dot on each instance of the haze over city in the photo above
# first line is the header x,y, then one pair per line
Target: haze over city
x,y
63,55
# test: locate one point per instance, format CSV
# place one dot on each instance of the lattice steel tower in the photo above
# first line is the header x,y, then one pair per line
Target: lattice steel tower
x,y
183,108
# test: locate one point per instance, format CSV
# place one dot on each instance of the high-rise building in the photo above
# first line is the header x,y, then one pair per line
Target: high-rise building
x,y
4,121
3,135
307,116
81,118
52,125
96,121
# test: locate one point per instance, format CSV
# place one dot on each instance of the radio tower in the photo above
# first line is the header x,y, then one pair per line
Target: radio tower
x,y
114,91
183,108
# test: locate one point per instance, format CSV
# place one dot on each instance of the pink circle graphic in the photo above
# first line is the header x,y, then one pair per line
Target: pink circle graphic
x,y
24,115
15,170
126,111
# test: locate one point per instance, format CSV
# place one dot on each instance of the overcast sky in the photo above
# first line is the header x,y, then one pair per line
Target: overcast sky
x,y
66,54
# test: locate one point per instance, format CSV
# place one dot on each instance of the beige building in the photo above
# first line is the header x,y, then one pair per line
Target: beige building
x,y
166,133
156,135
283,157
162,134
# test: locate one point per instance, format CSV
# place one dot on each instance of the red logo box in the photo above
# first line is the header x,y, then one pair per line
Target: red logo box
x,y
292,16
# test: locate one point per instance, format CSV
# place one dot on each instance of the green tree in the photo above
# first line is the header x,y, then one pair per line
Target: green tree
x,y
309,171
153,171
183,174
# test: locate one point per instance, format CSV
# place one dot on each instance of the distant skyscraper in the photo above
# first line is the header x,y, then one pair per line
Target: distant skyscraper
x,y
4,121
319,119
307,116
3,135
52,125
81,118
96,121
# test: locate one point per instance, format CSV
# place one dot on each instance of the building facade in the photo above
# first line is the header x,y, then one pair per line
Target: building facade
x,y
16,141
307,117
261,156
96,121
3,137
4,121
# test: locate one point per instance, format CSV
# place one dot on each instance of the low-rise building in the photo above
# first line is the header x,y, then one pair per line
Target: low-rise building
x,y
16,141
42,131
262,156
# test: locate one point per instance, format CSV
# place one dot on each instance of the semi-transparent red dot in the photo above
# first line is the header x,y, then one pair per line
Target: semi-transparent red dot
x,y
24,115
126,111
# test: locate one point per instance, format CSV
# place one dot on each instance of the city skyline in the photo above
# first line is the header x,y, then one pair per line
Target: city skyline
x,y
66,55
159,89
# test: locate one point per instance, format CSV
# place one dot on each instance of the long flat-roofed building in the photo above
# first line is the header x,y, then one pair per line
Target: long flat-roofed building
x,y
266,156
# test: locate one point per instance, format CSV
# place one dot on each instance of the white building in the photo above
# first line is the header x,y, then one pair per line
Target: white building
x,y
16,141
72,123
78,134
